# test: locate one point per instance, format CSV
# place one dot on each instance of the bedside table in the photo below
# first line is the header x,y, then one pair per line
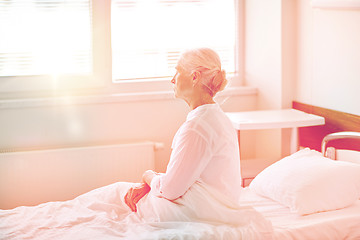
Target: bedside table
x,y
268,119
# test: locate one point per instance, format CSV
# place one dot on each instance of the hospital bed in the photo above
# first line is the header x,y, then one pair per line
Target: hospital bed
x,y
307,195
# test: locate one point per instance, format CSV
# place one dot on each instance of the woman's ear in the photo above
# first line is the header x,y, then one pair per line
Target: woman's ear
x,y
196,76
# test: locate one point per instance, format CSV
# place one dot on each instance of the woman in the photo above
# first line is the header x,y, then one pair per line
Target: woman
x,y
204,150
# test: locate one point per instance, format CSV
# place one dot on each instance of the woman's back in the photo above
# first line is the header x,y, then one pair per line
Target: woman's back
x,y
223,168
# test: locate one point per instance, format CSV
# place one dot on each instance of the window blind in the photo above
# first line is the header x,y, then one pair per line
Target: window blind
x,y
41,37
147,36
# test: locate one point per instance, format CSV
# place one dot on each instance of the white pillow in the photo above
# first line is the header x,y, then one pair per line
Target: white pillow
x,y
307,182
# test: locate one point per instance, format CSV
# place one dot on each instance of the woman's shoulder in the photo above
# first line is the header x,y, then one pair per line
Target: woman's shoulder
x,y
197,126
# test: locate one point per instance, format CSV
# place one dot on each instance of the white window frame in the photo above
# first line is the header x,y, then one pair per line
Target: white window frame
x,y
101,80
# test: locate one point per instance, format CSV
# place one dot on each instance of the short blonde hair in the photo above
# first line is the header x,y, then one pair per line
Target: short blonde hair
x,y
207,62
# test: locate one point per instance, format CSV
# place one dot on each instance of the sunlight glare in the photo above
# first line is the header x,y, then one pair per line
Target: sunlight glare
x,y
38,40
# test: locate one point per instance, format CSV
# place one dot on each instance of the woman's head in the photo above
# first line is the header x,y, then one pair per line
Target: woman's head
x,y
206,63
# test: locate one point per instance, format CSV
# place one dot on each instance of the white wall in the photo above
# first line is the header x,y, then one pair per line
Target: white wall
x,y
296,52
263,50
328,57
270,56
98,123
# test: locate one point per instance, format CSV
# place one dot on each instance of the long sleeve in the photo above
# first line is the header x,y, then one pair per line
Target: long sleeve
x,y
190,155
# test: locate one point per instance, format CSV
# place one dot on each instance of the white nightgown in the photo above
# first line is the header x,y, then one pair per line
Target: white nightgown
x,y
205,149
202,181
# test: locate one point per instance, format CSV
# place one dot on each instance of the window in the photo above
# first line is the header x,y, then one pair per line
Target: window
x,y
43,37
107,44
148,35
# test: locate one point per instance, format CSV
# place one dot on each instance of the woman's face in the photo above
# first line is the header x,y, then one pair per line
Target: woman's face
x,y
183,84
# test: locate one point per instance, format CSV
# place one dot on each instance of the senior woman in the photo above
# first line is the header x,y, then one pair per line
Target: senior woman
x,y
205,152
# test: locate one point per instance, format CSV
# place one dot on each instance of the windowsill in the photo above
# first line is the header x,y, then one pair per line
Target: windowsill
x,y
112,98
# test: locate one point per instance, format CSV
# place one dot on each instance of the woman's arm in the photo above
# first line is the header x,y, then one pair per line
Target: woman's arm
x,y
190,155
148,176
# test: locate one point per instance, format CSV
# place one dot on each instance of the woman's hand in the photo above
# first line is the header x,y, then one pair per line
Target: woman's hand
x,y
134,194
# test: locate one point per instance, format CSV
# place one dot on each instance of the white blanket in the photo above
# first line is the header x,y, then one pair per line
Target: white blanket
x,y
101,214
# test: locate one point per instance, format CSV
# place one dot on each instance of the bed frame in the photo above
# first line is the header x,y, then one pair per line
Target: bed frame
x,y
331,151
335,122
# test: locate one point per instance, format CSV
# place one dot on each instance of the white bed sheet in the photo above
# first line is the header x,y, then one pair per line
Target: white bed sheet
x,y
100,214
332,225
97,215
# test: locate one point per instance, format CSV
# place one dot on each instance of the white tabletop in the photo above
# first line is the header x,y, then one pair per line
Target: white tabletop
x,y
267,119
